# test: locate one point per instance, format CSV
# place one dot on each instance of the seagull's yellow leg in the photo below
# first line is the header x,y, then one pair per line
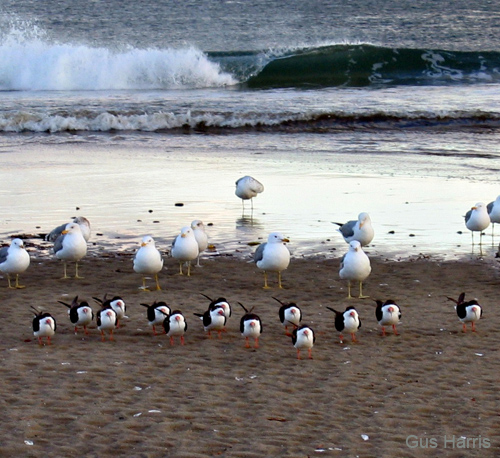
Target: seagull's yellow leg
x,y
180,268
189,269
8,280
76,271
144,287
279,280
265,280
18,286
361,291
349,289
65,272
157,283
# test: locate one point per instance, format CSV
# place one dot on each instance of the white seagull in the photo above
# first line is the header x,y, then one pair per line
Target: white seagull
x,y
494,212
477,220
148,261
14,260
360,230
201,237
185,248
273,256
83,222
355,266
247,188
70,246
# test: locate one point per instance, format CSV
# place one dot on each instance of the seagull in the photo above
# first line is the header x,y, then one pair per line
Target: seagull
x,y
477,219
201,237
14,260
148,261
70,246
273,256
106,321
290,315
213,320
494,212
156,313
360,230
355,266
303,338
347,321
44,325
468,312
185,248
80,220
388,313
117,304
80,314
247,188
220,302
250,326
175,325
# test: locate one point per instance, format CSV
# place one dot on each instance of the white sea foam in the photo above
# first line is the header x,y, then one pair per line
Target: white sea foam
x,y
36,64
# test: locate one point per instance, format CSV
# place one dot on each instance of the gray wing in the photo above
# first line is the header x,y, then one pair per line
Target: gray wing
x,y
54,233
58,244
3,254
342,262
259,252
347,229
467,215
489,207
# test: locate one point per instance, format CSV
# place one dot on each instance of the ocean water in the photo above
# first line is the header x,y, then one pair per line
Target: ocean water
x,y
338,107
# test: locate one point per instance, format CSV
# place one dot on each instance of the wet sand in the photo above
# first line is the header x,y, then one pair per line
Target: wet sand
x,y
138,396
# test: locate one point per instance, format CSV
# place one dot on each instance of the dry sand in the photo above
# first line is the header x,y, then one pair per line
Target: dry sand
x,y
140,397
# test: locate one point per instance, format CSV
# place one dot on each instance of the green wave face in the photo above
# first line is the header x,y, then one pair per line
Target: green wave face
x,y
360,66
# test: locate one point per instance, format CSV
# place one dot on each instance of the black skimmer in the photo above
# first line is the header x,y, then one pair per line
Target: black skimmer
x,y
156,313
468,312
303,338
213,320
80,314
289,314
44,325
250,327
175,325
347,321
387,313
117,304
106,321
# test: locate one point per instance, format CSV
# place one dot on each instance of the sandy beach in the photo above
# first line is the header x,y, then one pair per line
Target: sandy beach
x,y
138,396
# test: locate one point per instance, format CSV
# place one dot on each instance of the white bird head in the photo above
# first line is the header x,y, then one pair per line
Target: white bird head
x,y
147,240
18,243
276,237
72,228
354,246
363,218
197,224
186,232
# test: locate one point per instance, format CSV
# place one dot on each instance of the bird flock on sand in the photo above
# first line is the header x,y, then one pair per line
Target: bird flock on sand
x,y
70,245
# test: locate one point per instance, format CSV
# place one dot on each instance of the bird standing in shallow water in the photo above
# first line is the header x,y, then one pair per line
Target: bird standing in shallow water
x,y
494,213
355,266
273,256
247,188
70,246
468,312
201,238
148,261
387,313
477,220
14,260
360,229
44,325
185,248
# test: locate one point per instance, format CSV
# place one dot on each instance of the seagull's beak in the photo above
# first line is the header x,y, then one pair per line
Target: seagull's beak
x,y
285,240
474,208
143,244
64,232
183,235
